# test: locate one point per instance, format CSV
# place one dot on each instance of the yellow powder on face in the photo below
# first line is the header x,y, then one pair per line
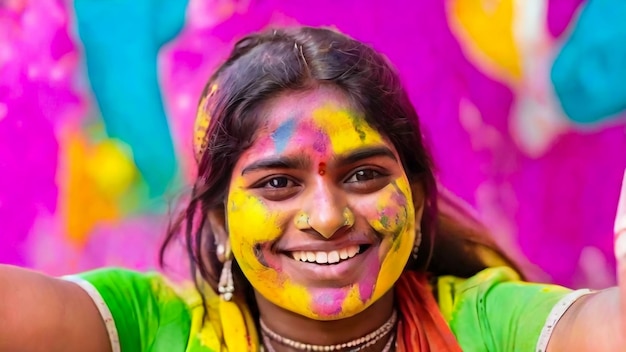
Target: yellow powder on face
x,y
401,247
353,302
297,297
391,210
346,130
249,223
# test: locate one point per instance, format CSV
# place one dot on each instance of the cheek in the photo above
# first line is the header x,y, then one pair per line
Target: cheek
x,y
391,212
400,229
250,223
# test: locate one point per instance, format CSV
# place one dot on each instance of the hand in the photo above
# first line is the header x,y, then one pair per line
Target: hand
x,y
620,254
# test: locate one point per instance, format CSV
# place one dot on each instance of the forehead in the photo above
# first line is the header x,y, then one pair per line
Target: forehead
x,y
311,105
319,124
322,121
324,113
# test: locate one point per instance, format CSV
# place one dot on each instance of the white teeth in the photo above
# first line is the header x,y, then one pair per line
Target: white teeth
x,y
352,251
330,257
333,257
321,257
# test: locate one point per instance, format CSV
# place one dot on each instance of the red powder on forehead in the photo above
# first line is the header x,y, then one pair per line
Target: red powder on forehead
x,y
321,169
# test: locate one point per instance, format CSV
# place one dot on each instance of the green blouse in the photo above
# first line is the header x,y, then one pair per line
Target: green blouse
x,y
491,311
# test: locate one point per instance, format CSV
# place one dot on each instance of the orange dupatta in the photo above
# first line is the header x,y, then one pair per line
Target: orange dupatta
x,y
421,326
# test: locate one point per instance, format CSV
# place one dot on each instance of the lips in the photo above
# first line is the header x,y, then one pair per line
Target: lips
x,y
327,257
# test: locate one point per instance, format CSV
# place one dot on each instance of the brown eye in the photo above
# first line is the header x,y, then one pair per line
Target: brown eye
x,y
278,182
364,175
278,188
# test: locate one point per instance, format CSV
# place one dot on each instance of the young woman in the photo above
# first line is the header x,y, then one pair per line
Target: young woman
x,y
315,224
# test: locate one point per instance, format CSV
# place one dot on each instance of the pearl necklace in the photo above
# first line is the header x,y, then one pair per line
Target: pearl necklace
x,y
267,344
353,345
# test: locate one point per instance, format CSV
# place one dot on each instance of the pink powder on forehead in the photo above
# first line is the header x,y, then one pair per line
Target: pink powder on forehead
x,y
264,144
309,135
320,143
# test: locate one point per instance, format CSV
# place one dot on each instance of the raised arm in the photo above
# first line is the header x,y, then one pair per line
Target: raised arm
x,y
40,313
598,322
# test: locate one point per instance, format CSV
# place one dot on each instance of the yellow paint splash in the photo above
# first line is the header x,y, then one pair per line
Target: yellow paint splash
x,y
485,31
111,167
201,123
93,178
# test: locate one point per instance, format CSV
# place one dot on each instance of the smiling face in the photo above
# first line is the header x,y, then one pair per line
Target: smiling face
x,y
319,213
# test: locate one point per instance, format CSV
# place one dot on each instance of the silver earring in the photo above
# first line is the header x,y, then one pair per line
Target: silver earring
x,y
226,285
220,252
417,243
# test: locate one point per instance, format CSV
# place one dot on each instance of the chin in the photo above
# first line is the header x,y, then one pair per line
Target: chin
x,y
336,303
324,316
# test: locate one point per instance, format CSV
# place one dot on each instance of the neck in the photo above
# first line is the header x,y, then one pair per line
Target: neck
x,y
310,331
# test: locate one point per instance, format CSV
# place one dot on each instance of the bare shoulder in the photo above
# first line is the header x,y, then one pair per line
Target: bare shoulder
x,y
41,313
589,324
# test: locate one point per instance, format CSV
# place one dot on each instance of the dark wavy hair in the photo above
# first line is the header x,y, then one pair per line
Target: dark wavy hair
x,y
268,63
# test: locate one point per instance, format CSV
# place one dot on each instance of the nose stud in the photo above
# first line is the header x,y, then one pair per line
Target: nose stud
x,y
302,221
348,217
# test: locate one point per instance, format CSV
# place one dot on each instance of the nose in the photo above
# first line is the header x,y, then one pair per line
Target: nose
x,y
328,211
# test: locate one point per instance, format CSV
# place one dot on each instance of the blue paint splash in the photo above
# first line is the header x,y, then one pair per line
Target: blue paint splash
x,y
588,74
283,134
121,42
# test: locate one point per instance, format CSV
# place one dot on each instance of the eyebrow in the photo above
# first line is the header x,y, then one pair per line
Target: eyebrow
x,y
366,153
303,162
299,162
